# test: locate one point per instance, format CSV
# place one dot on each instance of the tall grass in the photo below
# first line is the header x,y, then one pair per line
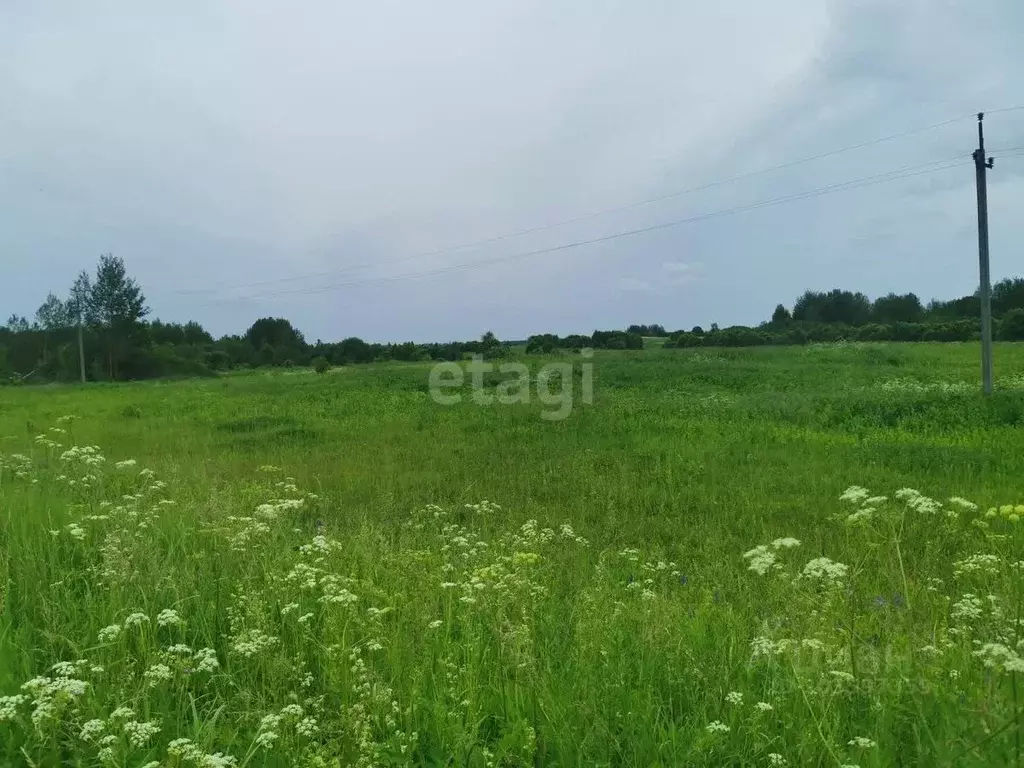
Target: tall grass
x,y
334,570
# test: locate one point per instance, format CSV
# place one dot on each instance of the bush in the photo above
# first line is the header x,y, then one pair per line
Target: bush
x,y
321,364
1011,327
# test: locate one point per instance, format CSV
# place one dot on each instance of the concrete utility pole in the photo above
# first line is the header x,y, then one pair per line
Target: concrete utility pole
x,y
981,165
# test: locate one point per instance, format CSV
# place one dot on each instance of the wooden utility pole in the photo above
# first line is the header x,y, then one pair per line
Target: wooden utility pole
x,y
981,165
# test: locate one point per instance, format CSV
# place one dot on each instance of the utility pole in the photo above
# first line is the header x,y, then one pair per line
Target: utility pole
x,y
981,165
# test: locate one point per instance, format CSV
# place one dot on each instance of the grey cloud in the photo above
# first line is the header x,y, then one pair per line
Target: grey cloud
x,y
216,147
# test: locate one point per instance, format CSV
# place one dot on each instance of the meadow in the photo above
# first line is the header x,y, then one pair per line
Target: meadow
x,y
775,556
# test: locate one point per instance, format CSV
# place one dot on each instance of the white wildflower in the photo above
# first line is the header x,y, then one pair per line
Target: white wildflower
x,y
307,727
761,559
91,729
9,706
861,742
139,734
823,569
206,660
168,617
717,727
763,706
156,674
786,542
855,494
734,697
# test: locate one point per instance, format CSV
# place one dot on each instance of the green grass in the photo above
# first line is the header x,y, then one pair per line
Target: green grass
x,y
599,609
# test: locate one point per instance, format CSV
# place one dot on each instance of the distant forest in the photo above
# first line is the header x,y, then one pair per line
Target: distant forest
x,y
107,314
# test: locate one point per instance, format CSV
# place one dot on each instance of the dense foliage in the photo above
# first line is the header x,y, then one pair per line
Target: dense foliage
x,y
106,314
839,315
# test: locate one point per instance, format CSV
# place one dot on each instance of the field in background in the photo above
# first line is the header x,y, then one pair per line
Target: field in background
x,y
350,573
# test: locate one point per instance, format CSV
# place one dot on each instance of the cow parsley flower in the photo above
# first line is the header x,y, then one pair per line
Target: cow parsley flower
x,y
734,697
9,706
761,559
168,617
861,742
139,734
91,729
156,674
823,569
135,620
717,727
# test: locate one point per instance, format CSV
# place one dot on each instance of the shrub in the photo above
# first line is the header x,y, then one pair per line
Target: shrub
x,y
320,364
1011,327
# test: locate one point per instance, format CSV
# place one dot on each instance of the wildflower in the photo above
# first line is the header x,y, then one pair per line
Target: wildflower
x,y
156,674
9,706
967,608
75,531
291,710
861,516
121,713
854,494
823,569
206,660
179,649
774,758
787,542
90,729
135,620
964,504
168,617
1000,656
435,624
861,742
126,464
734,697
266,739
763,646
307,727
763,706
250,643
761,559
218,760
185,750
140,733
717,727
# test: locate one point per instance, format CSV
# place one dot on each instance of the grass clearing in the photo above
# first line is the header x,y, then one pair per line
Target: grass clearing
x,y
336,570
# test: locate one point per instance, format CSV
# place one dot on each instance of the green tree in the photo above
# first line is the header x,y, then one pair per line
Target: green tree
x,y
117,305
781,315
1011,327
1008,295
16,324
893,308
54,314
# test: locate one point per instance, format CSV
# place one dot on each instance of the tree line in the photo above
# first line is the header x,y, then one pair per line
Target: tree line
x,y
101,328
839,315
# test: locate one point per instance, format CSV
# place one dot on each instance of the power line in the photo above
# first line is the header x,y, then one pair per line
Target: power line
x,y
603,212
902,173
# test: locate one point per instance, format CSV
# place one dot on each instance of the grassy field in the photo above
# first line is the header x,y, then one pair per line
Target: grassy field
x,y
697,569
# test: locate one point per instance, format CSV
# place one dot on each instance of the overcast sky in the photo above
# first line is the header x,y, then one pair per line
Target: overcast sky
x,y
309,160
